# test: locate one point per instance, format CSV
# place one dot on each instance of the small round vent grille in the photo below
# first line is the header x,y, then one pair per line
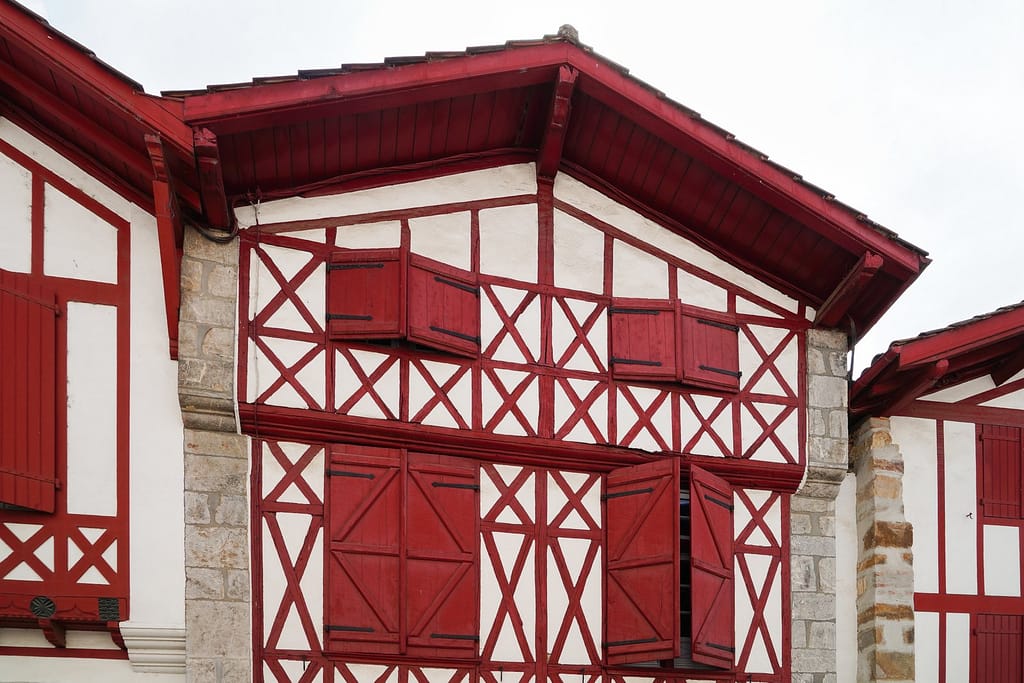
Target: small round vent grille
x,y
42,606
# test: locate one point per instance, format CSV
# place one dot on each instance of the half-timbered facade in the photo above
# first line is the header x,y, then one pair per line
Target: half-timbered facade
x,y
945,409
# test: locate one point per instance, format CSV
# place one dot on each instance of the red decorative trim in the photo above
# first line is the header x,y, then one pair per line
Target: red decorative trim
x,y
550,153
845,295
78,653
960,412
943,603
211,180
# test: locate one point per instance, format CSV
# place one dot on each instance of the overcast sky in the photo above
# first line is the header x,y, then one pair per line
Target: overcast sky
x,y
912,112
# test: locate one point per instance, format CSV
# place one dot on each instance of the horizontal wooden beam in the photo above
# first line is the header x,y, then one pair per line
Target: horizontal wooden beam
x,y
845,295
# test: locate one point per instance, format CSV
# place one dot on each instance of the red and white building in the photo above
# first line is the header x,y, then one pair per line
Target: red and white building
x,y
491,364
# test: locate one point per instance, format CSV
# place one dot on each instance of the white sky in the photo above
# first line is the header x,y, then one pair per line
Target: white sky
x,y
910,111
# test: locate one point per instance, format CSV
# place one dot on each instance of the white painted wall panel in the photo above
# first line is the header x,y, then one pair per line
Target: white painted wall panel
x,y
92,402
508,242
1002,560
444,238
697,291
958,392
926,647
384,235
80,670
1014,401
579,255
15,216
961,501
76,242
958,647
636,273
917,440
846,580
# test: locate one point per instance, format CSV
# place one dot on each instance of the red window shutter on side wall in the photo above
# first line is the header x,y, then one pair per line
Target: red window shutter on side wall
x,y
999,654
642,611
710,352
444,308
1000,472
28,326
365,291
364,551
441,508
711,569
643,339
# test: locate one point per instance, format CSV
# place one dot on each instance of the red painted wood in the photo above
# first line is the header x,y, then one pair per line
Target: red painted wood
x,y
644,339
711,569
211,180
367,287
710,351
999,644
550,153
642,526
999,472
28,327
443,307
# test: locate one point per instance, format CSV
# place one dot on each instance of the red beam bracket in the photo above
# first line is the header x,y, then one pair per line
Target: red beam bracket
x,y
211,180
846,293
170,235
925,381
550,154
54,632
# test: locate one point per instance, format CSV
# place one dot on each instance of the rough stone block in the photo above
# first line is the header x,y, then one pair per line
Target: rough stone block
x,y
800,524
814,606
204,584
894,665
216,443
813,545
889,535
822,636
222,280
197,246
217,628
803,574
837,363
827,574
219,343
815,361
206,375
824,392
232,511
838,425
237,584
209,473
814,661
208,310
191,276
216,547
197,508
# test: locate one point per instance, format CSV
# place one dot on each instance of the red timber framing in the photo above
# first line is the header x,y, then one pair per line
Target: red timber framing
x,y
64,570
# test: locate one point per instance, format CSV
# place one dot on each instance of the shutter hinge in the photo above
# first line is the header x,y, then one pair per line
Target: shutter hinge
x,y
455,636
634,361
722,371
447,485
638,641
353,266
726,648
457,335
620,494
716,501
350,629
347,316
475,291
636,311
346,473
715,323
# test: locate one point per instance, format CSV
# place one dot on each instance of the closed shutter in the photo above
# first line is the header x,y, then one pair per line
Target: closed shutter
x,y
643,339
364,551
642,609
28,334
999,652
442,592
444,308
1000,472
711,569
710,352
365,294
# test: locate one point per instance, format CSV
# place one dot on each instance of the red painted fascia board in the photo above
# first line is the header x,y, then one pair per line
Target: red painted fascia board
x,y
876,372
963,339
69,61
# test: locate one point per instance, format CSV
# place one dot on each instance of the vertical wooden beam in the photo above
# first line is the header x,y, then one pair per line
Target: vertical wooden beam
x,y
550,154
170,234
211,180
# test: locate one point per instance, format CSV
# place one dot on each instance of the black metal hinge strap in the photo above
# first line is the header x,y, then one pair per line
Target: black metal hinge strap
x,y
346,473
717,501
634,361
715,323
454,636
721,371
351,629
459,335
475,291
639,641
348,316
636,311
446,485
621,494
353,266
721,647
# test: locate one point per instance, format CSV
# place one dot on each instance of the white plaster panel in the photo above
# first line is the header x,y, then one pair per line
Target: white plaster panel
x,y
508,242
595,203
76,242
961,501
312,293
507,646
626,417
748,307
1014,401
690,423
444,238
563,335
846,580
156,477
83,669
574,551
460,394
47,157
288,352
958,647
528,403
317,236
578,254
959,392
917,441
382,235
16,213
564,408
527,325
636,273
759,661
92,409
697,291
1002,560
926,648
490,183
786,363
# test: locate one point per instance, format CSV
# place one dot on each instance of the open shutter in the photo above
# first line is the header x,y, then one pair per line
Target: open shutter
x,y
365,294
643,339
711,569
442,594
642,609
1000,472
364,523
999,653
710,352
28,325
444,307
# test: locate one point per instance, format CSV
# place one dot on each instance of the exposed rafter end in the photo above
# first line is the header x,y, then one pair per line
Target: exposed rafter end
x,y
54,632
843,297
550,155
211,180
1008,367
911,391
170,234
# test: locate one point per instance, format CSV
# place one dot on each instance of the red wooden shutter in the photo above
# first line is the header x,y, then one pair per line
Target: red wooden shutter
x,y
643,339
642,609
999,640
710,352
28,334
1000,492
711,569
444,307
364,523
365,294
442,593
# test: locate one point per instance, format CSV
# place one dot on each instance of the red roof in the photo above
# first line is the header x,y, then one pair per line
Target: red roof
x,y
988,344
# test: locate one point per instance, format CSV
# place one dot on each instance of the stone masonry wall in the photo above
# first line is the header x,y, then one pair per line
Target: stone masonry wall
x,y
812,511
217,617
885,563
